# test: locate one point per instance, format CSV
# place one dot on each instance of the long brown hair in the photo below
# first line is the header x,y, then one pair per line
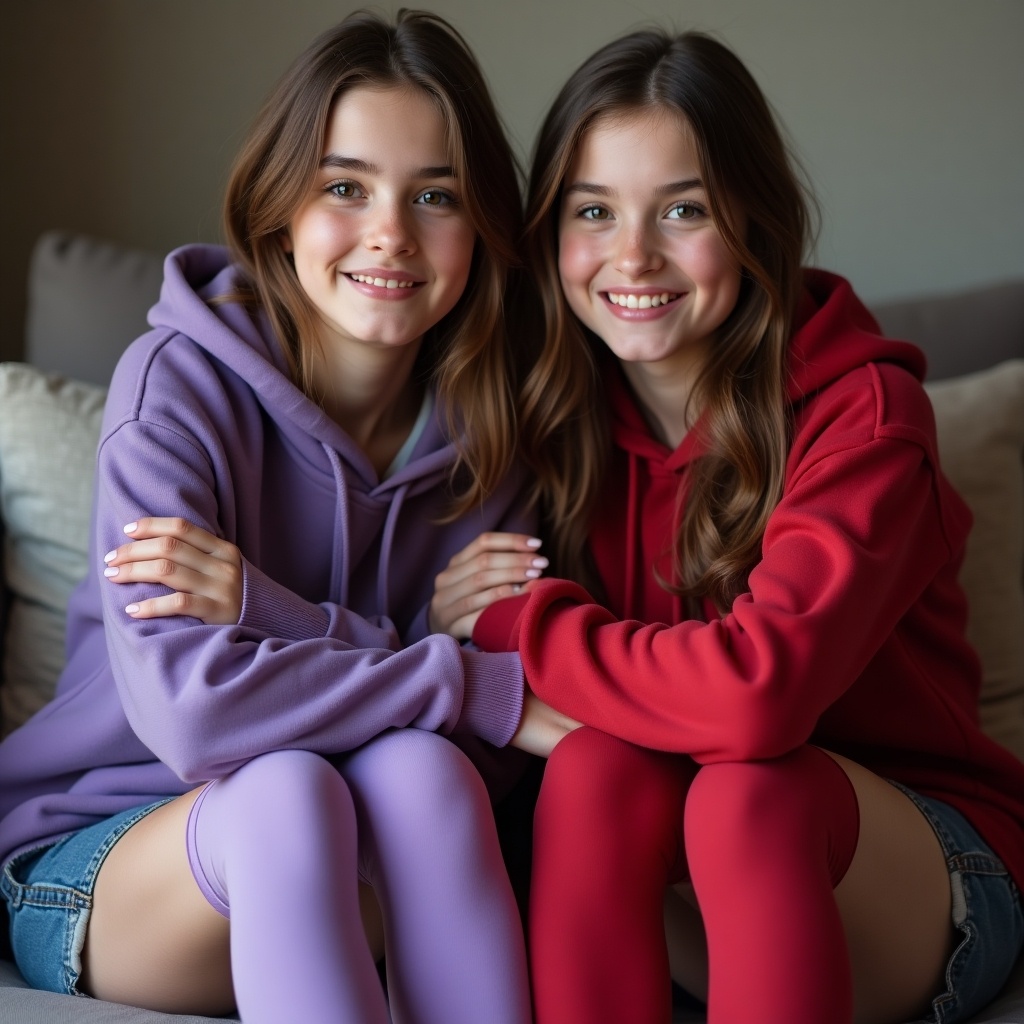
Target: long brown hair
x,y
732,489
467,354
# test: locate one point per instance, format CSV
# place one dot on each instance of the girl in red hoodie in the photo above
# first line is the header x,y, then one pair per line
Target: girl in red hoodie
x,y
782,768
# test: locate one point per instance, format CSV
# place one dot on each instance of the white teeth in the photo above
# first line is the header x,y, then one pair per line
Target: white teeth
x,y
381,282
633,301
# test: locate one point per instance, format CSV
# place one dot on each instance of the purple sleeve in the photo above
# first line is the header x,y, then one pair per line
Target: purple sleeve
x,y
291,674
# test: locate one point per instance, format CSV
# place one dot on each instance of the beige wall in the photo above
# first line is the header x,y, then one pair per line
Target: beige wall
x,y
120,117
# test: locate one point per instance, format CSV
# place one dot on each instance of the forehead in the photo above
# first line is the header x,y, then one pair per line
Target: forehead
x,y
390,118
653,141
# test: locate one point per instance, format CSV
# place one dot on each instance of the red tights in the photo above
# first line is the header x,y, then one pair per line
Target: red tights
x,y
764,844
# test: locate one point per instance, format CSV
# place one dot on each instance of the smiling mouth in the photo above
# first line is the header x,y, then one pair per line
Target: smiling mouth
x,y
382,282
633,301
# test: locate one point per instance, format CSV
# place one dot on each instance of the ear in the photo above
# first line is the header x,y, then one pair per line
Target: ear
x,y
284,238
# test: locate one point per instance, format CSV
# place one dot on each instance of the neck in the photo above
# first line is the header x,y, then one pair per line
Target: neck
x,y
663,394
370,393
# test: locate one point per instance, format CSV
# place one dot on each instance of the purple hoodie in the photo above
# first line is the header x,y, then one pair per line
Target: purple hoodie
x,y
332,646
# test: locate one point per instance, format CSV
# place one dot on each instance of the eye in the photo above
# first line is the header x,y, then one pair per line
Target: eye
x,y
437,198
345,190
593,211
686,211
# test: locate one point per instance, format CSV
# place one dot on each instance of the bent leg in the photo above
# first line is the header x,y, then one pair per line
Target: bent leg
x,y
274,846
429,847
606,843
766,842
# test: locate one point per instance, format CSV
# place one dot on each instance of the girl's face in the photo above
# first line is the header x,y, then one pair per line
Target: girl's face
x,y
382,244
640,259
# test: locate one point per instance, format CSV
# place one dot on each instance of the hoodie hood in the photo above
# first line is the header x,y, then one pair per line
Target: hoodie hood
x,y
242,340
835,334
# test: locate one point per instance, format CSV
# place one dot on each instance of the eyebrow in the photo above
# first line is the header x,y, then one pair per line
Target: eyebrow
x,y
590,188
349,163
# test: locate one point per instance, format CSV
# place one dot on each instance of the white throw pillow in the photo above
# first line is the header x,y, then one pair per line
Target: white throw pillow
x,y
980,422
49,430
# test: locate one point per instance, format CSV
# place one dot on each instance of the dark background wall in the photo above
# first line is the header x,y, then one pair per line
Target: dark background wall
x,y
120,117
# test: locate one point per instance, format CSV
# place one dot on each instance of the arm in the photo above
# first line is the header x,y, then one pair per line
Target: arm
x,y
289,673
853,543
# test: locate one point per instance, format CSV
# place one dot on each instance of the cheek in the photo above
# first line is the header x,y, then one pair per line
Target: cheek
x,y
315,236
577,262
712,266
455,248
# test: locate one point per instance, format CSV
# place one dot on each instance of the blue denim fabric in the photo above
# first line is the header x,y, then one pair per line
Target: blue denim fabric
x,y
987,911
48,892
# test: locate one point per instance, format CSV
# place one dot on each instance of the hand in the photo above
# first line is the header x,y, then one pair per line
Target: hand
x,y
493,566
541,727
203,572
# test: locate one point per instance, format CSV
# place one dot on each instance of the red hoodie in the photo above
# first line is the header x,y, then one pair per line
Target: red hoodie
x,y
851,635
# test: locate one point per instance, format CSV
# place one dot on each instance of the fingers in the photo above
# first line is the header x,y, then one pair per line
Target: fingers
x,y
492,567
203,572
495,541
489,562
171,537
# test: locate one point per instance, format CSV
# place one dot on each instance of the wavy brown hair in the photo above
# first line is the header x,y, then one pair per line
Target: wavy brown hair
x,y
749,178
467,354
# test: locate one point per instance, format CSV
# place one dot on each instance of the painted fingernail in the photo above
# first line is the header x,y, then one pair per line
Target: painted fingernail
x,y
131,609
111,570
131,527
532,574
534,542
109,556
539,563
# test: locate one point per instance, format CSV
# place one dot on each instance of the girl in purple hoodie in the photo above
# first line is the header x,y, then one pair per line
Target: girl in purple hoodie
x,y
245,809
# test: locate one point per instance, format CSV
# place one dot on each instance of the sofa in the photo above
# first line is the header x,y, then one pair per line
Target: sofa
x,y
88,298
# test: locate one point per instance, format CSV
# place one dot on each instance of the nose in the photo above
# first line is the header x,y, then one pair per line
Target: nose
x,y
636,252
389,230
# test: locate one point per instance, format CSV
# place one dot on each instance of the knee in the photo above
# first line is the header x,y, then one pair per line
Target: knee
x,y
744,807
284,783
606,792
416,774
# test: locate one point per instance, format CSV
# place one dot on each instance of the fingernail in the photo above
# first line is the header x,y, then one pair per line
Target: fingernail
x,y
131,527
534,542
532,574
539,563
111,570
109,556
131,609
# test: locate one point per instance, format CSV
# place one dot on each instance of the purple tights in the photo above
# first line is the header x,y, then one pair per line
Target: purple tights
x,y
280,845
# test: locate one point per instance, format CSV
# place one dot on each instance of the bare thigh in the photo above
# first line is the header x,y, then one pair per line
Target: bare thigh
x,y
894,900
896,904
153,939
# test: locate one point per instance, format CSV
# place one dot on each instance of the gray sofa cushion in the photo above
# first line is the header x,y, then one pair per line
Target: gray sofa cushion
x,y
113,287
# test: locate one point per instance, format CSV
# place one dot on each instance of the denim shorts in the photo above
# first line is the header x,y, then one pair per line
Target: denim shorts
x,y
987,912
49,890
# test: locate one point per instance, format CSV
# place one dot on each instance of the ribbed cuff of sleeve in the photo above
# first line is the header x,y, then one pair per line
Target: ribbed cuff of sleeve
x,y
496,628
274,610
492,701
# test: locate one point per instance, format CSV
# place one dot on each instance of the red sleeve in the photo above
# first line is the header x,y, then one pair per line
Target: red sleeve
x,y
854,541
497,628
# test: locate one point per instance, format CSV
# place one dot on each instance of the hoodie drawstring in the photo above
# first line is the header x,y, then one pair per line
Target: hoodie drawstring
x,y
387,537
340,547
634,549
